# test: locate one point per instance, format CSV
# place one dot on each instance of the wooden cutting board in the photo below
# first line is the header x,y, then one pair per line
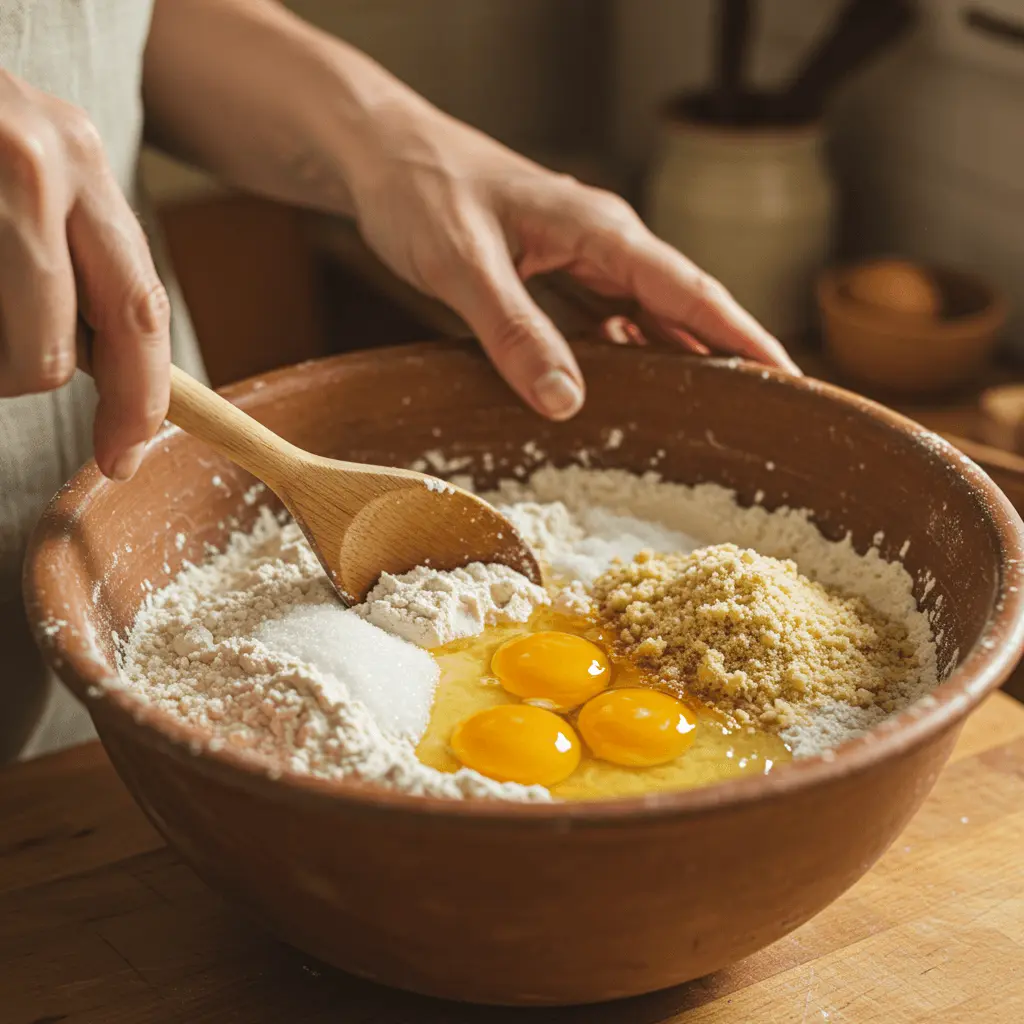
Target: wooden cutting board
x,y
101,924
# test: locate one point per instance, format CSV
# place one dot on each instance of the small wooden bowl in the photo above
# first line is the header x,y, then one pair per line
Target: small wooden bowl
x,y
900,354
541,903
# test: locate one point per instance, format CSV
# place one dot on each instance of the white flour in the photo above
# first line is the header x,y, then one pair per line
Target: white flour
x,y
582,544
225,648
430,608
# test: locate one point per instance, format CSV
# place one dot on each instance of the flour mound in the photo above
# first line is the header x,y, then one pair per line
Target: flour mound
x,y
429,607
752,636
231,647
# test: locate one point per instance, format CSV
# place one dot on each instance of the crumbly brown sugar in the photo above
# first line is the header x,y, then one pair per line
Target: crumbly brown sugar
x,y
752,636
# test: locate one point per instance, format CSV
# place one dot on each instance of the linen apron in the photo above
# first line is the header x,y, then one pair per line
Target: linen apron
x,y
87,52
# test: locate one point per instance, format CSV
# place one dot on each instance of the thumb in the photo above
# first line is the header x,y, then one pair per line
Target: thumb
x,y
520,339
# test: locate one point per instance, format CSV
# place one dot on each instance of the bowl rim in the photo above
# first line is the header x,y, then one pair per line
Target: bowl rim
x,y
990,318
77,661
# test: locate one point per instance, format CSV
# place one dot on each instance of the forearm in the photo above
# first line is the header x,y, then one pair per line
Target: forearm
x,y
265,101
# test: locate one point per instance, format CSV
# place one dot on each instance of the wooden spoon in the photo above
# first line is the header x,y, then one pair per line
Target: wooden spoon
x,y
360,520
733,37
861,31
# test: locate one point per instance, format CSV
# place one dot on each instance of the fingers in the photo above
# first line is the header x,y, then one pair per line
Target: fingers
x,y
687,340
686,301
70,246
37,285
620,330
520,339
127,308
672,288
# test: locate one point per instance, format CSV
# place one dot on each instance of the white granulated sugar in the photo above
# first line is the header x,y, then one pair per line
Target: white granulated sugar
x,y
429,608
253,648
393,679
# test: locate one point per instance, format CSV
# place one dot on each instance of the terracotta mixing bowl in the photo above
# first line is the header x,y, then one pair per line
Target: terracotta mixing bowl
x,y
545,904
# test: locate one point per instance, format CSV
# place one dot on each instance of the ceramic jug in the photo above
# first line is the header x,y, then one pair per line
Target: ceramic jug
x,y
753,207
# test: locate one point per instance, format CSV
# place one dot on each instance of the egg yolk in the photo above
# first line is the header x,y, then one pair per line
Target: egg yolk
x,y
517,743
637,728
553,670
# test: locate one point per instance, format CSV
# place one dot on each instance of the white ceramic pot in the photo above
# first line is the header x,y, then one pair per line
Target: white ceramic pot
x,y
753,207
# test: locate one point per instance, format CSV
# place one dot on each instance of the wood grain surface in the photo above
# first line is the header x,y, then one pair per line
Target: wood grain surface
x,y
101,924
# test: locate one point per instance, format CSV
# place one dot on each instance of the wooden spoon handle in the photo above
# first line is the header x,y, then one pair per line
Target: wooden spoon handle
x,y
201,412
733,31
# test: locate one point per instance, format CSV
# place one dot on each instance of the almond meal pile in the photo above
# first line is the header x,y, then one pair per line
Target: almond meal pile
x,y
753,637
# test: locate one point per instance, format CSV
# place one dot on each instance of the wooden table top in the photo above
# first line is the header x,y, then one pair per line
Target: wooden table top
x,y
100,923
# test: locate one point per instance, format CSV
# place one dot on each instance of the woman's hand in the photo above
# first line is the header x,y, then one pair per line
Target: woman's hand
x,y
70,245
468,221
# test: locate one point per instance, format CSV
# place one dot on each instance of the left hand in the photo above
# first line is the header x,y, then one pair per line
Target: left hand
x,y
466,220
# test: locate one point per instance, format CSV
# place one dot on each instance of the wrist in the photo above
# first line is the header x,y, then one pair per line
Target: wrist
x,y
369,118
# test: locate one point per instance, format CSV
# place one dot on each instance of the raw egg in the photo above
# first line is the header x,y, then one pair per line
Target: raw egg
x,y
517,743
637,728
552,669
469,687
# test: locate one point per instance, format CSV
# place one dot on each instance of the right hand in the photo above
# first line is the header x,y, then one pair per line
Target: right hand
x,y
70,247
463,218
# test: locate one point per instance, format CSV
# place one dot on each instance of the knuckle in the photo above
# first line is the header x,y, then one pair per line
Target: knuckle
x,y
461,258
142,313
433,266
708,291
705,295
152,415
81,137
470,249
25,150
613,210
514,334
148,312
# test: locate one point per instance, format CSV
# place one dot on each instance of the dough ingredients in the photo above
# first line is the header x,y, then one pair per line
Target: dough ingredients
x,y
253,648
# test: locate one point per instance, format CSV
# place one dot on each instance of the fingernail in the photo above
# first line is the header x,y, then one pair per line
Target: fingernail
x,y
558,395
616,329
127,463
635,336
